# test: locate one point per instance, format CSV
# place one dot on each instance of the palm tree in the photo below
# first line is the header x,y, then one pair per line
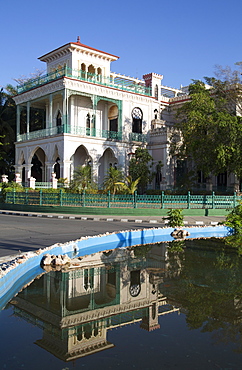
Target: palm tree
x,y
82,179
129,186
112,180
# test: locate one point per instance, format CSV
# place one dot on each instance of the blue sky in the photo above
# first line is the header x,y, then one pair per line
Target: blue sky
x,y
181,39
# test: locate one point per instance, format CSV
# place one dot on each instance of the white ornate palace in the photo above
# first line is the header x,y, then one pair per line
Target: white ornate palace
x,y
80,112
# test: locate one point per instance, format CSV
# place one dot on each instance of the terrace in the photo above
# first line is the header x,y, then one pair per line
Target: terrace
x,y
80,131
114,81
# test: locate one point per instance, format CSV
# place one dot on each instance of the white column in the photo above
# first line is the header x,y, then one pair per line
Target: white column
x,y
18,178
95,169
50,111
54,180
72,118
27,171
28,116
65,172
31,182
65,106
18,121
49,169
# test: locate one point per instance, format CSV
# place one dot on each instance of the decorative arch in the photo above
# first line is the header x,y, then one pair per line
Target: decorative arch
x,y
21,158
91,69
107,159
38,160
56,159
137,118
81,157
113,118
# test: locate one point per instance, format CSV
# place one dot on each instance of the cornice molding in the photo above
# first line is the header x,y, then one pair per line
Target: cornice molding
x,y
40,92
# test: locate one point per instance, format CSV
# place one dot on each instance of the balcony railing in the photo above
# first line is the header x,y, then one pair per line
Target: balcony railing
x,y
115,82
133,136
67,129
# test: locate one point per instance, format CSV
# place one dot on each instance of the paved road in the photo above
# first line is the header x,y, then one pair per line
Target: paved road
x,y
21,233
24,233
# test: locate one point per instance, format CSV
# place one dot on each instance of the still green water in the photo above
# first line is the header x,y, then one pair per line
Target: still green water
x,y
162,306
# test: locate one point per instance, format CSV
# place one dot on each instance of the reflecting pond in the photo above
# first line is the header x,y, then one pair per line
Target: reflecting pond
x,y
161,306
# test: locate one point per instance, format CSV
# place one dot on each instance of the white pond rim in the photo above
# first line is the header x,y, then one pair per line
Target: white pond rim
x,y
19,271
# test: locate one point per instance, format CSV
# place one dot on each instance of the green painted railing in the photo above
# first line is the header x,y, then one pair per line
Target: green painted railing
x,y
115,82
68,129
133,136
164,201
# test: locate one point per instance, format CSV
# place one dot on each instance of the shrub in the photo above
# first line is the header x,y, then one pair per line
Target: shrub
x,y
234,219
175,218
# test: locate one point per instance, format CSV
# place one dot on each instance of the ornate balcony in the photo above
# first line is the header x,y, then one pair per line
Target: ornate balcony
x,y
133,136
81,131
67,129
114,81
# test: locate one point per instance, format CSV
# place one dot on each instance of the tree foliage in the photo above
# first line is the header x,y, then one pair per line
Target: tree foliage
x,y
140,166
129,186
7,132
112,180
211,133
82,180
175,218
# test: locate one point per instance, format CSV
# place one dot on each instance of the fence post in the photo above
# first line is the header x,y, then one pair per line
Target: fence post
x,y
213,200
83,198
109,200
14,193
188,200
135,199
61,197
40,197
162,200
26,197
235,198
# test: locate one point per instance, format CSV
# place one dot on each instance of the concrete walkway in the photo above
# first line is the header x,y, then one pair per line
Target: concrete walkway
x,y
188,220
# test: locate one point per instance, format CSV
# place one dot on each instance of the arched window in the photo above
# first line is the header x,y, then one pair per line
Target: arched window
x,y
113,118
156,113
137,117
83,70
91,70
135,285
99,74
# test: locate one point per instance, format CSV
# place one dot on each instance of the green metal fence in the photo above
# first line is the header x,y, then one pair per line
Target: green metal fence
x,y
164,201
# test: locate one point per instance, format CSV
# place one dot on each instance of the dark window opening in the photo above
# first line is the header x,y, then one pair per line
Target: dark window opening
x,y
36,170
58,119
57,168
113,124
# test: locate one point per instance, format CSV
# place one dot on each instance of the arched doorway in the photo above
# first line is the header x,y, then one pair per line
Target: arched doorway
x,y
38,165
81,157
108,159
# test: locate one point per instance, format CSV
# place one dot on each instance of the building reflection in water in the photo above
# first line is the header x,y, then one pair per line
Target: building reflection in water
x,y
76,307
